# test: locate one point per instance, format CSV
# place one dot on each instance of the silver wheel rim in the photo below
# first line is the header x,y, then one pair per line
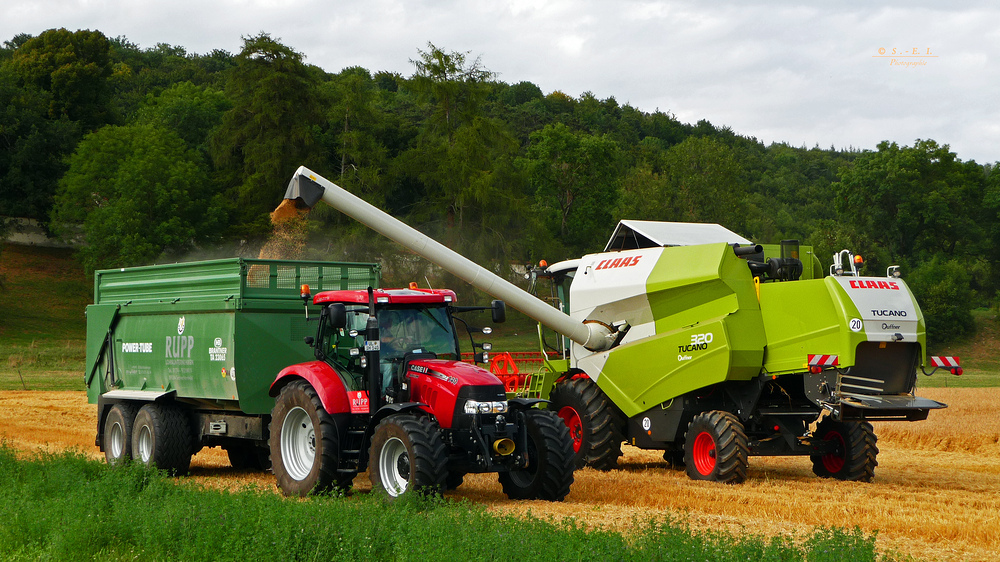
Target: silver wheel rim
x,y
298,443
145,444
394,466
116,440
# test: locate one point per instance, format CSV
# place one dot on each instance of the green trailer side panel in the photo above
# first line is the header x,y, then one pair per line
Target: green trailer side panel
x,y
266,343
214,332
708,329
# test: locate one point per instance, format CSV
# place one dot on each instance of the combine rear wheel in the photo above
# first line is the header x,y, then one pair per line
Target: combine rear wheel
x,y
161,437
118,433
588,414
715,448
408,454
855,454
305,443
549,470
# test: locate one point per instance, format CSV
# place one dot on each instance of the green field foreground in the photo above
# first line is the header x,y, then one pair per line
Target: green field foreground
x,y
65,507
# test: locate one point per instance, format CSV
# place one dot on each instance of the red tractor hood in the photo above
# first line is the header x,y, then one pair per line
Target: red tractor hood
x,y
438,383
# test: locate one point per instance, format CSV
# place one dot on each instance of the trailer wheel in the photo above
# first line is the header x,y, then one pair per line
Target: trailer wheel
x,y
161,437
118,433
305,443
715,448
408,455
856,454
587,413
548,474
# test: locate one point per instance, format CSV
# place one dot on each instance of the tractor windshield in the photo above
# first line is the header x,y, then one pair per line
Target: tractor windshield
x,y
422,329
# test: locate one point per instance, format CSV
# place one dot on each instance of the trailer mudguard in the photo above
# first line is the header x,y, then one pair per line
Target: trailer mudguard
x,y
321,376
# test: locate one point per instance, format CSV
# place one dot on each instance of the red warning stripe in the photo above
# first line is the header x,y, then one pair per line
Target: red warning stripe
x,y
944,361
823,360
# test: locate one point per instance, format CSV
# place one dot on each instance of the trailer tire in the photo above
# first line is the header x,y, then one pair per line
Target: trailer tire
x,y
715,448
856,458
305,444
117,436
549,471
592,423
408,456
161,437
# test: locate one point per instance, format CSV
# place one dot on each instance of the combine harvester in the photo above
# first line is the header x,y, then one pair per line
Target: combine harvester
x,y
686,338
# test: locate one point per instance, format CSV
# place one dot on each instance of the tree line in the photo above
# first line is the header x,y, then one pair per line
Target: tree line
x,y
158,154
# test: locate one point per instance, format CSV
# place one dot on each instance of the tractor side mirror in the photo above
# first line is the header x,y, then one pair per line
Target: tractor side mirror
x,y
337,313
499,310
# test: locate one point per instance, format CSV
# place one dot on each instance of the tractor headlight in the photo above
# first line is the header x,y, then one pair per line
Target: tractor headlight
x,y
477,407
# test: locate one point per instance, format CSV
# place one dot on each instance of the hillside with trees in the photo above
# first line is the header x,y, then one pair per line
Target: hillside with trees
x,y
157,154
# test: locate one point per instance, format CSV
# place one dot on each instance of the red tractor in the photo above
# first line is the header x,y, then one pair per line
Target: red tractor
x,y
388,392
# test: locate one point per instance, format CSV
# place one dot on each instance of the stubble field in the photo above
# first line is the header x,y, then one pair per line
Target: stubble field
x,y
936,493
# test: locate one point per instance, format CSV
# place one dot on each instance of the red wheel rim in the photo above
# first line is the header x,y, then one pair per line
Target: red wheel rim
x,y
703,453
575,425
834,463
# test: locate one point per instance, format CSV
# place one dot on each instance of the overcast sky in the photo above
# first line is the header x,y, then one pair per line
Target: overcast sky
x,y
804,73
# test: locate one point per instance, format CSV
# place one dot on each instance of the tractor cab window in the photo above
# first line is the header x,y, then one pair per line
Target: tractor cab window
x,y
427,330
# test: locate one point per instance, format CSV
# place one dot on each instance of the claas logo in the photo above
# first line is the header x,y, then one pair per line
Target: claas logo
x,y
618,262
869,284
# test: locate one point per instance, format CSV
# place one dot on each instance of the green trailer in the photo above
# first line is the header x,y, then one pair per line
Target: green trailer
x,y
204,341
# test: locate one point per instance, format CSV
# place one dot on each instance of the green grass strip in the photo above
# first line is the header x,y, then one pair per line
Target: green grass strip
x,y
65,507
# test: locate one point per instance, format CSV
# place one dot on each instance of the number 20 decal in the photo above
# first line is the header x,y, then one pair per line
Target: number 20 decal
x,y
856,324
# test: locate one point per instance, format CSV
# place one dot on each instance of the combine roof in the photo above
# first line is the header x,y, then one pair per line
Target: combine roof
x,y
633,234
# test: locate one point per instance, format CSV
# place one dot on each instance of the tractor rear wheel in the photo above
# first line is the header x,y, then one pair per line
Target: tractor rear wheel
x,y
715,448
548,473
408,455
161,437
591,420
305,443
118,433
856,451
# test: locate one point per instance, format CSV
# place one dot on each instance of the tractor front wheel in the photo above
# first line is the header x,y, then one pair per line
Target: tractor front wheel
x,y
305,443
590,418
408,454
715,448
855,455
118,433
548,473
161,437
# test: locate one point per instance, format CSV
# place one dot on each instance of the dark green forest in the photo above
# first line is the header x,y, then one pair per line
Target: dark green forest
x,y
156,154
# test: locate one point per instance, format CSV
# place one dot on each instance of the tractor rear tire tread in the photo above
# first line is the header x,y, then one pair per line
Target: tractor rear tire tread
x,y
323,477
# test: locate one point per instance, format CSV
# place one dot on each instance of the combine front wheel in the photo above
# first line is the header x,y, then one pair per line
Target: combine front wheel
x,y
408,454
549,470
715,448
855,454
588,414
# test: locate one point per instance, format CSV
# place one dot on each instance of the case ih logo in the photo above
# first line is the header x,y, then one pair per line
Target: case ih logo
x,y
867,284
618,262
